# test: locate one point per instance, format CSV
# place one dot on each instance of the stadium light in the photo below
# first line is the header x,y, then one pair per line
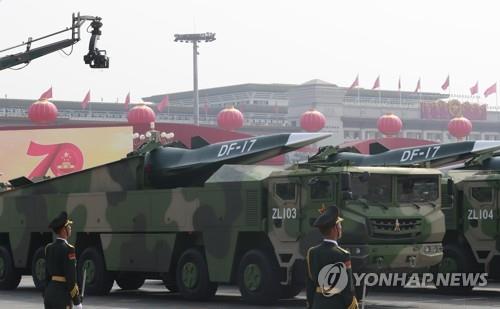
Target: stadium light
x,y
195,38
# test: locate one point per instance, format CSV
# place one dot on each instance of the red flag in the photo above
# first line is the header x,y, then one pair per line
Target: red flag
x,y
474,89
418,86
164,103
355,83
127,100
399,83
86,100
377,83
47,94
491,90
446,83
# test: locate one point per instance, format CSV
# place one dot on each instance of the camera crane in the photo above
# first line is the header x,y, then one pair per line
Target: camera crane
x,y
95,58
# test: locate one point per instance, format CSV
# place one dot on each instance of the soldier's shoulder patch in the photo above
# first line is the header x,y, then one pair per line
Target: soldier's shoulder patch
x,y
343,250
314,248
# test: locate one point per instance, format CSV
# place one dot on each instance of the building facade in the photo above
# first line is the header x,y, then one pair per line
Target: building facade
x,y
351,114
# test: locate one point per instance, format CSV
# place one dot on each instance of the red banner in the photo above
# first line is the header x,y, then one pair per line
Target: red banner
x,y
448,110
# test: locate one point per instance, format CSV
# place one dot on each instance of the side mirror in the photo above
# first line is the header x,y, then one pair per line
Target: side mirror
x,y
345,182
449,187
347,195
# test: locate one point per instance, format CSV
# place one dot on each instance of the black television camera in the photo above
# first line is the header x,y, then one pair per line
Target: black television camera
x,y
96,58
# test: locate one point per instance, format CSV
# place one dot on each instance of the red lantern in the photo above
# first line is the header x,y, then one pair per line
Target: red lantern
x,y
230,119
42,112
459,127
141,114
389,124
312,121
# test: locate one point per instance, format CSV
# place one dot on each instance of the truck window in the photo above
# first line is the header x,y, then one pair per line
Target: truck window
x,y
482,194
412,189
285,191
374,188
321,189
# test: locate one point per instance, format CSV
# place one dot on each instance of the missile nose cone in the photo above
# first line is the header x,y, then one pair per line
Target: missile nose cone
x,y
485,145
302,139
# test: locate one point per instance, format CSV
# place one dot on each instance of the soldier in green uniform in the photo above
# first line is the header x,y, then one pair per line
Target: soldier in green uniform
x,y
61,290
329,275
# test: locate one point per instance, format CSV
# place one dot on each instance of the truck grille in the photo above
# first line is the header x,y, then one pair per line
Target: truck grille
x,y
395,228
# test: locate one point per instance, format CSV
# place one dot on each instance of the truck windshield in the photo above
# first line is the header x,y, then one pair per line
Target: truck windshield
x,y
375,188
413,189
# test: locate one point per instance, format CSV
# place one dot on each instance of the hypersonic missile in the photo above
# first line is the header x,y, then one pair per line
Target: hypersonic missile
x,y
435,155
171,167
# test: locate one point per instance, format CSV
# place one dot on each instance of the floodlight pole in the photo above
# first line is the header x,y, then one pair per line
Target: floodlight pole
x,y
195,38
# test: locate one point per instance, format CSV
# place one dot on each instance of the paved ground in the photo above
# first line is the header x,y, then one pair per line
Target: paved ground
x,y
154,295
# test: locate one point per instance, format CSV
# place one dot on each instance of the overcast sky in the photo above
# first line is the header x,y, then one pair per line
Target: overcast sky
x,y
258,41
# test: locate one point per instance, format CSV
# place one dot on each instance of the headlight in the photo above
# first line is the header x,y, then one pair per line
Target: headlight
x,y
432,249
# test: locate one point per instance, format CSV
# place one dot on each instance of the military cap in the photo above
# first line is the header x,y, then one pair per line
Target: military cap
x,y
328,215
60,221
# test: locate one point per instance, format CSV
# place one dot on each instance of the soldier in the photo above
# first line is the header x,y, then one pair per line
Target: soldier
x,y
329,276
61,292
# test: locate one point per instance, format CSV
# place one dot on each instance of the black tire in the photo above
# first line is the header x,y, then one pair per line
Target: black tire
x,y
38,270
169,282
456,259
130,280
192,276
99,281
9,276
290,291
258,278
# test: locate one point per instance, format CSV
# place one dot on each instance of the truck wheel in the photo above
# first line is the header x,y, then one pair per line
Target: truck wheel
x,y
169,282
455,260
130,280
258,278
9,276
98,280
290,291
38,268
192,276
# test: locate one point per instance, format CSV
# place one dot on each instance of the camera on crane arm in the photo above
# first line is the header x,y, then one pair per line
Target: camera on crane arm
x,y
96,58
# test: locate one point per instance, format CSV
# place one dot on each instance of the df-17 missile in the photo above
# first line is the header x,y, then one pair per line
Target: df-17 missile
x,y
435,155
171,167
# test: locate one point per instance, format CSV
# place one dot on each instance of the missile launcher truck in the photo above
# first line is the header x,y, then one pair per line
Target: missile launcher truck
x,y
195,219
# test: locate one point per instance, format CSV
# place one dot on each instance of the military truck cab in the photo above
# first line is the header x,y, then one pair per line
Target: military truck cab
x,y
392,216
472,210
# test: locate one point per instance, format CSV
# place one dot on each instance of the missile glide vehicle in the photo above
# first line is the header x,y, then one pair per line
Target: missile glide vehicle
x,y
170,167
142,217
435,155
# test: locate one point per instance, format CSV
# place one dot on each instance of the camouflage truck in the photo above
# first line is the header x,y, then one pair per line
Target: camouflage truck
x,y
472,214
246,225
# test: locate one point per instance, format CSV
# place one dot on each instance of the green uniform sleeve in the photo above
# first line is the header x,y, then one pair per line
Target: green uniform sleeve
x,y
45,280
348,293
70,274
310,282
